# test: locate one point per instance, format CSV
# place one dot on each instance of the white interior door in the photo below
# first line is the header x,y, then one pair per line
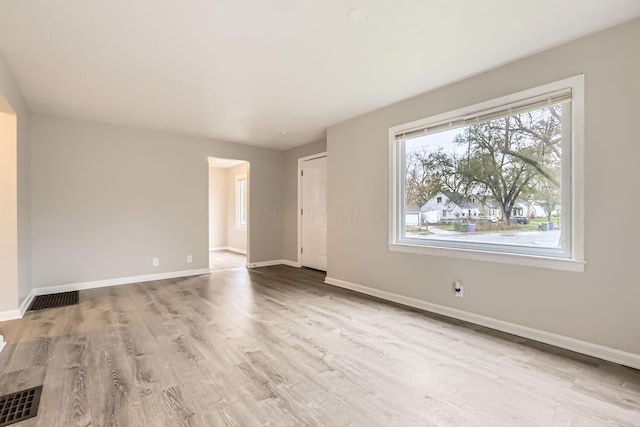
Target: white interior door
x,y
314,213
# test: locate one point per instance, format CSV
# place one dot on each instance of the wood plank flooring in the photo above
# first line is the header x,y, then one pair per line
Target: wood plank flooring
x,y
226,260
275,346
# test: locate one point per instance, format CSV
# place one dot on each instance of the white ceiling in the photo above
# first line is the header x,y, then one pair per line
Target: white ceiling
x,y
271,73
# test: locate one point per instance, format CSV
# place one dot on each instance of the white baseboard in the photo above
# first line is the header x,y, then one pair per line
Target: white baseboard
x,y
265,263
230,249
26,303
80,286
272,262
238,251
606,353
17,314
291,263
9,315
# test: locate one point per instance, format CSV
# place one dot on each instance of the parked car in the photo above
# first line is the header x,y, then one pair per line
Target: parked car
x,y
518,220
489,218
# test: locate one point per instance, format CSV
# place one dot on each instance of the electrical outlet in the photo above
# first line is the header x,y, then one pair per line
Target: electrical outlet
x,y
458,289
155,262
189,259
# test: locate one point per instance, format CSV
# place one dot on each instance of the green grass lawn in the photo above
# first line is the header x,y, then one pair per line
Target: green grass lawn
x,y
412,229
535,222
486,226
492,227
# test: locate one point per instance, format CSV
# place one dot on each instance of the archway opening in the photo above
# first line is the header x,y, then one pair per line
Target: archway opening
x,y
8,211
229,222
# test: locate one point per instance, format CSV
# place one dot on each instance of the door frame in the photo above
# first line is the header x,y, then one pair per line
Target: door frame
x,y
247,253
301,160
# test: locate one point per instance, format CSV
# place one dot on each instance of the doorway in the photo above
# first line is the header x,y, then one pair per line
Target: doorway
x,y
228,213
9,285
312,220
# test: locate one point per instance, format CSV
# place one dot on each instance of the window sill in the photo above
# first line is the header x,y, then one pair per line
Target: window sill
x,y
497,257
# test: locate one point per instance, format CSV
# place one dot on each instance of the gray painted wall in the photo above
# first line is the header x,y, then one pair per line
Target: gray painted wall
x,y
600,305
217,207
9,89
236,238
291,194
107,199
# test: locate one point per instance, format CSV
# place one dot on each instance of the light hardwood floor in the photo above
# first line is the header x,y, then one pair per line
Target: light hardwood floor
x,y
275,346
226,260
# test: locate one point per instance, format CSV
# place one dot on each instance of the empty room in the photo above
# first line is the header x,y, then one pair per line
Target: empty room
x,y
319,213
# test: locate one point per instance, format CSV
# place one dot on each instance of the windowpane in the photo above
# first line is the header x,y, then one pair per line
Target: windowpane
x,y
497,183
241,202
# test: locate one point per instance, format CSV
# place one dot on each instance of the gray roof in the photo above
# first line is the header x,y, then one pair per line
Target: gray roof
x,y
460,200
467,204
491,203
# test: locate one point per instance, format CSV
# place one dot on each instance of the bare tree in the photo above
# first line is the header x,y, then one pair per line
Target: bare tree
x,y
505,159
428,173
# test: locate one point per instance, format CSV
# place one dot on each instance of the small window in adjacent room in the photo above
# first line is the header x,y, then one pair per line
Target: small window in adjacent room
x,y
241,201
509,172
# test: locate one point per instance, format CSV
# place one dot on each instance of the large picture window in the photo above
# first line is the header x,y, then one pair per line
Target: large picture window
x,y
500,178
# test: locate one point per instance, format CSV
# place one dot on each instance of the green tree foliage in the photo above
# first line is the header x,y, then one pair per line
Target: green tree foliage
x,y
507,159
429,173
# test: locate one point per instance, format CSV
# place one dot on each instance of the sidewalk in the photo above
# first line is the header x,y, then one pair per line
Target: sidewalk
x,y
440,232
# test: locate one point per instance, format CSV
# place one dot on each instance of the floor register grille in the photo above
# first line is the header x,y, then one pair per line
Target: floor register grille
x,y
54,300
19,406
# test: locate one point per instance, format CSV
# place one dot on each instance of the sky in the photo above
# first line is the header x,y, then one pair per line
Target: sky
x,y
434,142
445,140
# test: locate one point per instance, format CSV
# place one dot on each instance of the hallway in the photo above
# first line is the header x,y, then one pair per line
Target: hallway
x,y
226,260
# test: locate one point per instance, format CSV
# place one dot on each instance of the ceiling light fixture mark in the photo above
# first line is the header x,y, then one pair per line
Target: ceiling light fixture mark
x,y
358,16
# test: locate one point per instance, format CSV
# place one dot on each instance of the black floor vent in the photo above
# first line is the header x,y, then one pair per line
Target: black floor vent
x,y
54,300
19,406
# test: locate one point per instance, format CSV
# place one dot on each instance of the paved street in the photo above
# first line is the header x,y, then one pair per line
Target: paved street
x,y
546,239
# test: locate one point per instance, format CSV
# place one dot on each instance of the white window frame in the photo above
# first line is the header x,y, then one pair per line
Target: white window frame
x,y
239,180
572,178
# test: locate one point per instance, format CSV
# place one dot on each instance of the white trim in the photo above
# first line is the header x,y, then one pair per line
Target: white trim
x,y
9,315
80,286
578,145
264,263
572,260
569,82
606,353
228,248
2,343
566,264
272,262
236,250
247,252
26,303
312,157
300,161
291,263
